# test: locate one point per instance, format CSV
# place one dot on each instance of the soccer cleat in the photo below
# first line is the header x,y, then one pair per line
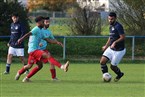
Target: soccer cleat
x,y
55,79
66,66
17,76
6,72
26,72
118,77
26,80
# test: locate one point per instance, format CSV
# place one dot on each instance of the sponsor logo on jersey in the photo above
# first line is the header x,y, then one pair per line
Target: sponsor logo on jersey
x,y
113,28
16,27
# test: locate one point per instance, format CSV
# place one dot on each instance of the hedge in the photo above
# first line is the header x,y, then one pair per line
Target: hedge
x,y
83,47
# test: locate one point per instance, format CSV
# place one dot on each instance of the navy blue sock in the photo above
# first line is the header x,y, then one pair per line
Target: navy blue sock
x,y
118,72
104,68
8,67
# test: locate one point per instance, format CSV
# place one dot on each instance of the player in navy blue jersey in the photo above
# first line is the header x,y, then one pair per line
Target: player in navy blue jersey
x,y
15,49
114,49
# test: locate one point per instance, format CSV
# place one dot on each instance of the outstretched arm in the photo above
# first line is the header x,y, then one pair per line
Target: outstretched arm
x,y
24,37
53,41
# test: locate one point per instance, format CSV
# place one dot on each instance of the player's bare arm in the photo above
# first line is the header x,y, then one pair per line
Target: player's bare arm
x,y
24,37
53,42
8,44
59,43
106,45
122,37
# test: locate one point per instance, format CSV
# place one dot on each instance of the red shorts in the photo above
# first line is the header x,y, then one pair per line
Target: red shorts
x,y
36,56
45,60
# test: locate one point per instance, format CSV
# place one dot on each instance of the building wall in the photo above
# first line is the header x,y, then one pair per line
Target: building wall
x,y
106,2
94,4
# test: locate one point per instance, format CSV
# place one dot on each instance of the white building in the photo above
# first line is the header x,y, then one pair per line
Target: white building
x,y
94,5
23,2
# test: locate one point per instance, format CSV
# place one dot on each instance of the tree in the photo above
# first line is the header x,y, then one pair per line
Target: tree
x,y
6,9
85,22
131,14
51,5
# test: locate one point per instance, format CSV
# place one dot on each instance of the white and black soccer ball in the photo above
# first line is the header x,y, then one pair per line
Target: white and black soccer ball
x,y
107,77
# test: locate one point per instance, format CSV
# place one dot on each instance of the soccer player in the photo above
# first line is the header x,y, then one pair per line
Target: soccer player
x,y
15,49
35,55
43,44
114,49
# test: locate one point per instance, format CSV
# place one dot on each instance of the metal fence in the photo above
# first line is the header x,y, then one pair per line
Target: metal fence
x,y
132,47
133,44
50,14
57,14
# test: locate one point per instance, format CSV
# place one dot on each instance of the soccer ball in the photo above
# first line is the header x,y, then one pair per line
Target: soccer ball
x,y
107,77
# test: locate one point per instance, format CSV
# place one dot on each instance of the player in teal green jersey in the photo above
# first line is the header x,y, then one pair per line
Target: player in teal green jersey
x,y
37,56
43,44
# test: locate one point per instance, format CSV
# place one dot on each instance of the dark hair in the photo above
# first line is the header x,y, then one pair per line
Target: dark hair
x,y
47,18
112,14
39,18
15,14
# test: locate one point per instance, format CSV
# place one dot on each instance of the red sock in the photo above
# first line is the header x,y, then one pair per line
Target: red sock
x,y
21,71
33,71
54,62
53,73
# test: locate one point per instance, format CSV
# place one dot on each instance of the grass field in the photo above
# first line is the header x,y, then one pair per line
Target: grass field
x,y
82,80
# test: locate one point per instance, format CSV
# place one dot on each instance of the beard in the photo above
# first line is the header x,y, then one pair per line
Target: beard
x,y
111,23
46,26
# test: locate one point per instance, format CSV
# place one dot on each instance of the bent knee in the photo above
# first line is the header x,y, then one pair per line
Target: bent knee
x,y
52,66
45,55
103,60
40,67
9,55
28,66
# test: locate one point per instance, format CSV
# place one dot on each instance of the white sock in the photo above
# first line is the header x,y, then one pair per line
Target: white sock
x,y
62,67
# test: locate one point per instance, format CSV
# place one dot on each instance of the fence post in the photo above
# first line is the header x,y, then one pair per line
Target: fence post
x,y
133,46
64,48
53,17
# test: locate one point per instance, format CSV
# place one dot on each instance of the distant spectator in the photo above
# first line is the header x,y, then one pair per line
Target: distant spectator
x,y
15,49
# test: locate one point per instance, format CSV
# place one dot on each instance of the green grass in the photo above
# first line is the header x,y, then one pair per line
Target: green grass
x,y
59,27
82,80
105,30
58,30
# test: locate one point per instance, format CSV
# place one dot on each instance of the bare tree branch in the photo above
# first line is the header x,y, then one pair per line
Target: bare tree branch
x,y
131,13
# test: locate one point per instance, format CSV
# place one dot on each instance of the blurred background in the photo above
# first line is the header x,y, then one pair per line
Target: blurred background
x,y
81,25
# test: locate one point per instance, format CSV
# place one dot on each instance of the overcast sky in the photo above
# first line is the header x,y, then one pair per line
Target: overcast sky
x,y
23,1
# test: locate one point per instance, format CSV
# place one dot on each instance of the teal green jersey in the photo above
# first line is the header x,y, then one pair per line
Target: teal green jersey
x,y
47,34
35,39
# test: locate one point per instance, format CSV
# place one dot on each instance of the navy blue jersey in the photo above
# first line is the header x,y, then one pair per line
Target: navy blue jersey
x,y
17,31
115,31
